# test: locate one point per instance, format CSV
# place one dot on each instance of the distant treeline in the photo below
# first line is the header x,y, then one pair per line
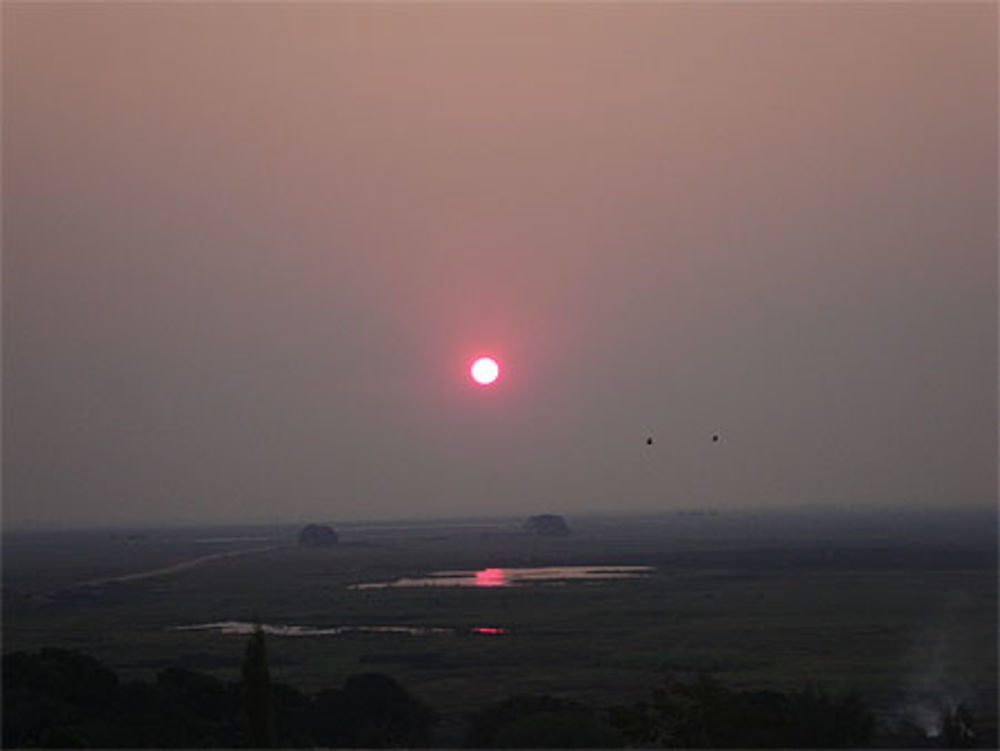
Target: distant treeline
x,y
60,698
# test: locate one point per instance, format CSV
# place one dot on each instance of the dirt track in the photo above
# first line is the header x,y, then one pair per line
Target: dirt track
x,y
173,568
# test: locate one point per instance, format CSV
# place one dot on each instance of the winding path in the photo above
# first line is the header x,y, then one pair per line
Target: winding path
x,y
173,568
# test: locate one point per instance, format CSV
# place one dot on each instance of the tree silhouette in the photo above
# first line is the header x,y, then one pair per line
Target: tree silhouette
x,y
257,692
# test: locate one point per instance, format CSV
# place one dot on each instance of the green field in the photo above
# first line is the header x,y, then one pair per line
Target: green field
x,y
902,609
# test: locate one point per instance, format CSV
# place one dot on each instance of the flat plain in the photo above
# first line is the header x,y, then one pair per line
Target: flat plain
x,y
899,606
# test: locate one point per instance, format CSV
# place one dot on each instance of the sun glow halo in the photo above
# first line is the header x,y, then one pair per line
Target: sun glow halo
x,y
485,371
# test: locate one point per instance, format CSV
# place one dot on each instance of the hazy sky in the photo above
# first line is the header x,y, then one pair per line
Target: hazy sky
x,y
250,250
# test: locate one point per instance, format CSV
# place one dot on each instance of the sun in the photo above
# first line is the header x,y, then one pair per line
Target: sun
x,y
484,371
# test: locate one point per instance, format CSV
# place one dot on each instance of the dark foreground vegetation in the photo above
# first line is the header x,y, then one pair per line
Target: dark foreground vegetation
x,y
62,698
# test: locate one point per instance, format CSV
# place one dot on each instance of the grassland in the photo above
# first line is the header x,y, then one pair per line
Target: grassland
x,y
902,608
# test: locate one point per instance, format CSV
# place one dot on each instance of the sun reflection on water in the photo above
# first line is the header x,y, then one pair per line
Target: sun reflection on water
x,y
491,577
488,630
245,628
507,577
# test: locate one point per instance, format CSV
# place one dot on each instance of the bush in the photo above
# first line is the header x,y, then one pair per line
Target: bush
x,y
371,711
704,714
529,721
55,698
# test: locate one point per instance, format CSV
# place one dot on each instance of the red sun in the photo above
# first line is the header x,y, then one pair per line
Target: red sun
x,y
484,371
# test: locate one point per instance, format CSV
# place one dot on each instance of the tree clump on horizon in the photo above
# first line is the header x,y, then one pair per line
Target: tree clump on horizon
x,y
318,536
547,525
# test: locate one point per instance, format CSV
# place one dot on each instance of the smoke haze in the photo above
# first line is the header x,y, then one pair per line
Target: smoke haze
x,y
249,251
